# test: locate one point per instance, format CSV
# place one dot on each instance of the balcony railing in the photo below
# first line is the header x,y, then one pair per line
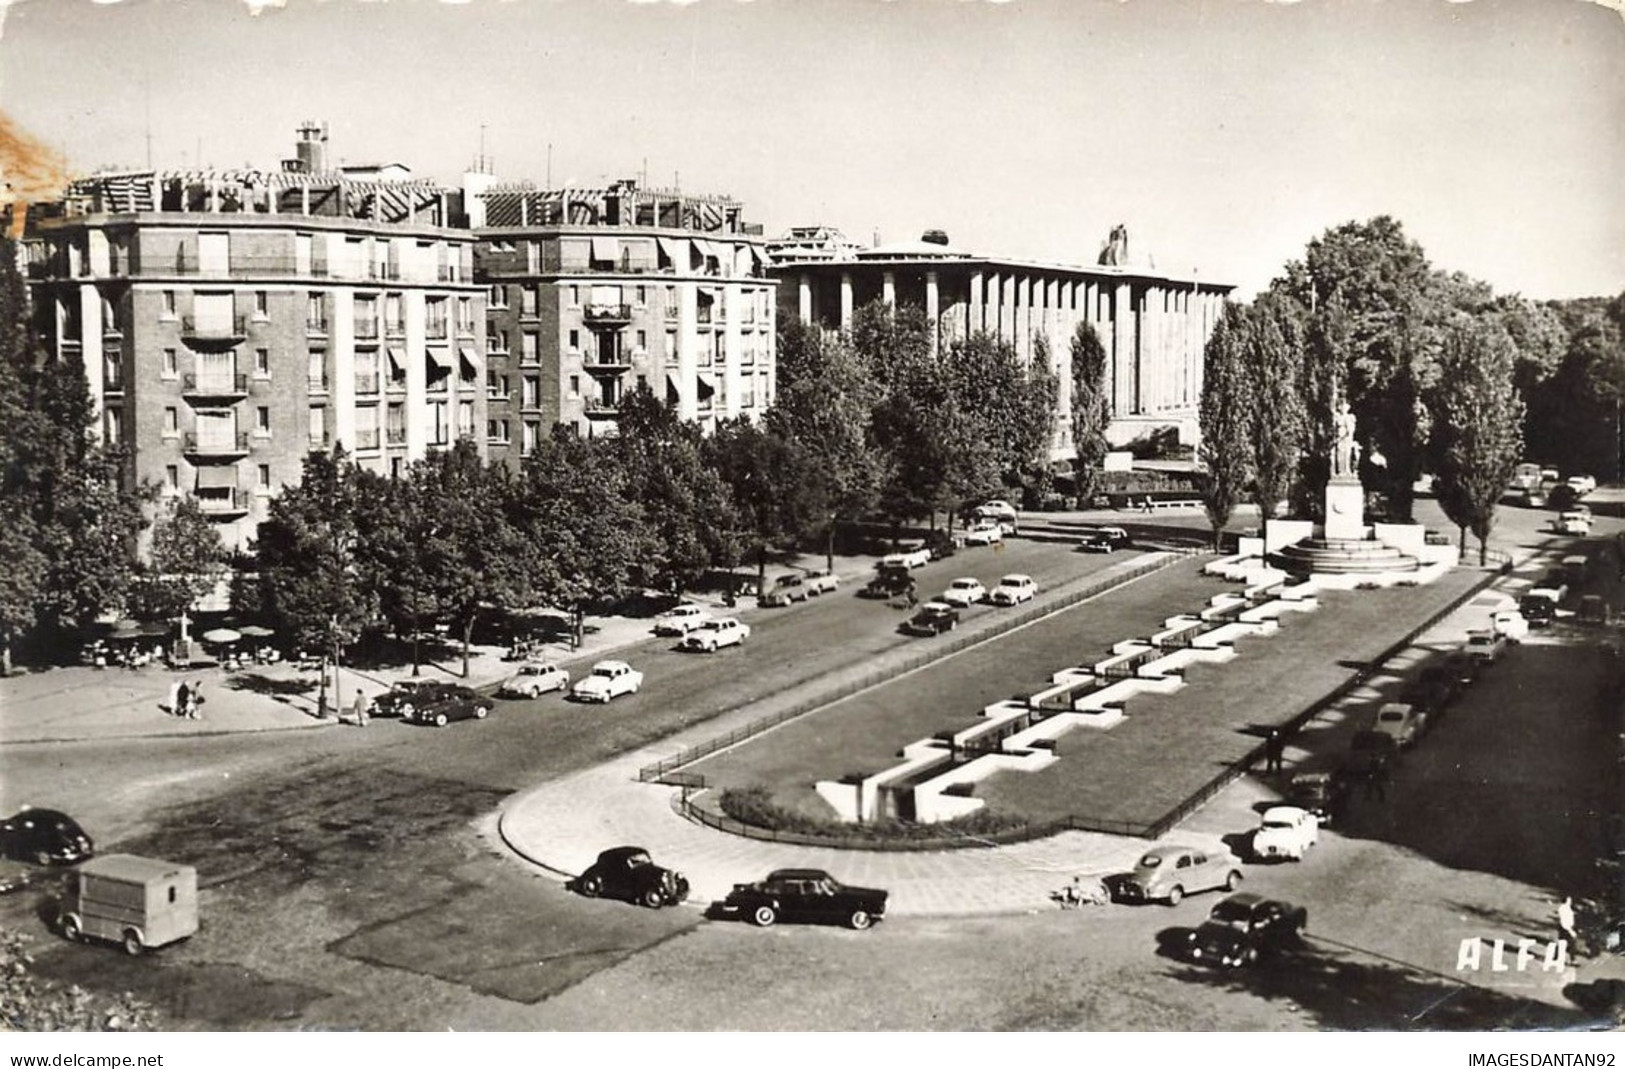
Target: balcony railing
x,y
365,382
597,406
318,442
606,313
225,385
435,330
232,503
226,330
449,273
316,326
395,436
216,445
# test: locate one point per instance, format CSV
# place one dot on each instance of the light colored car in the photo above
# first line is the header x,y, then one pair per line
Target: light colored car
x,y
1169,873
608,679
963,592
821,583
1001,512
1582,484
1486,646
711,637
1013,589
1573,522
786,590
1400,722
1511,623
985,533
534,679
681,620
1285,831
906,558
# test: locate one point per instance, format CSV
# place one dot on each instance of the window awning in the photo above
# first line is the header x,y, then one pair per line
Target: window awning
x,y
674,392
471,362
217,478
606,248
756,255
707,249
397,362
676,249
706,390
440,358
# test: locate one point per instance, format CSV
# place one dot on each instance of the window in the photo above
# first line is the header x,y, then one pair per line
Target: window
x,y
115,425
643,382
440,431
366,317
109,316
499,295
643,340
497,342
575,296
167,369
465,419
527,348
172,478
465,315
366,427
172,422
575,340
318,427
497,430
262,307
394,317
435,318
671,345
262,421
169,304
264,482
262,363
395,424
316,375
642,293
575,387
366,371
671,302
316,314
527,301
532,435
530,392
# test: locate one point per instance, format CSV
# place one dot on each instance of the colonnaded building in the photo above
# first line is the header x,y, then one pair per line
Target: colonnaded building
x,y
1153,325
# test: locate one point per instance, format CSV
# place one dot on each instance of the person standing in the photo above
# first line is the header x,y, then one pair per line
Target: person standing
x,y
194,700
1274,749
362,707
1565,924
181,703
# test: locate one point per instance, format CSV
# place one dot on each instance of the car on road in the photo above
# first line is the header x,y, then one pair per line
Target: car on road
x,y
984,533
1244,928
785,590
1511,623
1013,589
45,837
818,583
1169,873
401,699
805,895
933,618
681,620
1573,522
963,592
1486,646
1285,831
1464,667
1370,753
888,583
1104,540
1539,607
607,680
1000,512
533,680
1582,484
1322,794
711,637
1402,723
1433,690
941,545
627,872
449,702
906,558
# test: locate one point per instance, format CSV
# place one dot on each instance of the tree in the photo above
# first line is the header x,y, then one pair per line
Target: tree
x,y
1226,419
186,562
1478,420
1091,407
1273,355
767,480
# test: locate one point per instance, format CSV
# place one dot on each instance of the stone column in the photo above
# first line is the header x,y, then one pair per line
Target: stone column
x,y
977,304
888,289
804,297
846,299
1125,357
933,310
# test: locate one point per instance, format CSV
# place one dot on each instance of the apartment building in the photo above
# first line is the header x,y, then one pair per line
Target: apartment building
x,y
229,322
1154,325
592,293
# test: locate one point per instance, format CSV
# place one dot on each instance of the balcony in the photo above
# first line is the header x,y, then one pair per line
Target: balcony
x,y
216,445
227,505
599,408
214,386
221,332
606,314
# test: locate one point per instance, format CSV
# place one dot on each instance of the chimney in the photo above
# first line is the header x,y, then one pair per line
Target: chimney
x,y
311,148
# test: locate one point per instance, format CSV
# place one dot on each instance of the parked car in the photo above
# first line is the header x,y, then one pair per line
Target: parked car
x,y
941,545
449,702
711,637
1104,540
533,680
1322,794
1582,484
1001,512
805,895
1433,689
607,680
628,872
888,583
906,558
1370,752
933,618
1013,589
1246,927
1510,623
1486,646
1463,666
964,592
1285,831
785,590
984,533
139,902
821,583
1538,607
1403,723
1170,873
45,837
404,697
681,620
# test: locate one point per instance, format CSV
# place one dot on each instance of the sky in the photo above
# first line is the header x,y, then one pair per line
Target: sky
x,y
1224,134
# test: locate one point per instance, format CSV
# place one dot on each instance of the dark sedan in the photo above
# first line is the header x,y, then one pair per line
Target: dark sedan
x,y
45,837
889,583
1246,927
1104,540
448,702
805,895
403,698
628,872
934,618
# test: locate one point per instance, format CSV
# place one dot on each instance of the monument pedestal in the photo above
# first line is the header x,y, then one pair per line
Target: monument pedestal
x,y
1345,509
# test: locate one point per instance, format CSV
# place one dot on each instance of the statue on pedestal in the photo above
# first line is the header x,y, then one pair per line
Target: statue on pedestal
x,y
1345,450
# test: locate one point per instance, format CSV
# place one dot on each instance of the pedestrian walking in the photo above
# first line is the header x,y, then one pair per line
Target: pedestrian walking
x,y
1274,749
1565,924
181,703
362,707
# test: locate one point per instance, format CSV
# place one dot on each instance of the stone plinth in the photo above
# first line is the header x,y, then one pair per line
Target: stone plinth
x,y
1345,509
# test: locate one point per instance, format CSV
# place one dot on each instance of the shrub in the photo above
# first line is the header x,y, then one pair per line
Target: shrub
x,y
28,1004
755,806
